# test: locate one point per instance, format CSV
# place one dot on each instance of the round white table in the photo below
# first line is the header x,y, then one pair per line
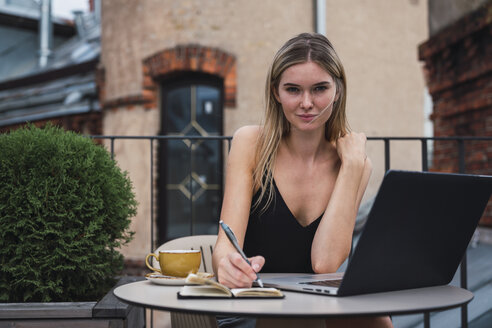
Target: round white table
x,y
299,305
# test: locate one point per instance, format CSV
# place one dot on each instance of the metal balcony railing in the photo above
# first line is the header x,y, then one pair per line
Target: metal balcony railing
x,y
459,149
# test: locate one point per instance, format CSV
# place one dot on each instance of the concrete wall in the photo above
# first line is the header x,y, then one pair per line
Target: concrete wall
x,y
250,30
377,41
133,156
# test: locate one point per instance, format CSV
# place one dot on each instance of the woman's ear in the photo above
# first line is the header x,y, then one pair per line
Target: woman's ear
x,y
275,94
337,93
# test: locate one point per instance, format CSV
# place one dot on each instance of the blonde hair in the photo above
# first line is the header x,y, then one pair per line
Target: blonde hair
x,y
303,48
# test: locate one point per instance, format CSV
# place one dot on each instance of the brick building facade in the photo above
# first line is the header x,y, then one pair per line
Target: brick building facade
x,y
458,64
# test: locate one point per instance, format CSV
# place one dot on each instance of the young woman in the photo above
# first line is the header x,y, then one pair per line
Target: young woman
x,y
295,183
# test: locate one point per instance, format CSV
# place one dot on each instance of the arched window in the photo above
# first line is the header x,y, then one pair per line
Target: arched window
x,y
190,172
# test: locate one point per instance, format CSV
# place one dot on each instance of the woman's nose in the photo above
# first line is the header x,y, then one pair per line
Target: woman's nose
x,y
306,101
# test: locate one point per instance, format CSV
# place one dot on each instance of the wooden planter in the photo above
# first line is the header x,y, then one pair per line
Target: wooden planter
x,y
108,312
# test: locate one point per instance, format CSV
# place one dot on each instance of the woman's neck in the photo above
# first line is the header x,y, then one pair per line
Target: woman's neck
x,y
306,146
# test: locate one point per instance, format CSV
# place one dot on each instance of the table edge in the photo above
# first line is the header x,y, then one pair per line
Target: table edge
x,y
307,316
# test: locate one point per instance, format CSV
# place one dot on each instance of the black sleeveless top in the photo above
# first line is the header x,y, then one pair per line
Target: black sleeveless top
x,y
277,235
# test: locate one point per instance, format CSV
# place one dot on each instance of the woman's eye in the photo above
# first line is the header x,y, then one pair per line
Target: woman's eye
x,y
320,88
292,90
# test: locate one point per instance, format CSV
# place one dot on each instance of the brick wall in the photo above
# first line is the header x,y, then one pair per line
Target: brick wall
x,y
458,65
182,58
192,57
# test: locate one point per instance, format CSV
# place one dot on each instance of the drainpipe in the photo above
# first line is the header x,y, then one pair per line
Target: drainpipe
x,y
97,10
45,32
320,16
79,23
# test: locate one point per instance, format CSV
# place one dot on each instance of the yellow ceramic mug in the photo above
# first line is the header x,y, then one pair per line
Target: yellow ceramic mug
x,y
176,263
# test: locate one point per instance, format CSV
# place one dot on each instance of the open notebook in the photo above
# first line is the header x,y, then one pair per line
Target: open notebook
x,y
415,236
199,287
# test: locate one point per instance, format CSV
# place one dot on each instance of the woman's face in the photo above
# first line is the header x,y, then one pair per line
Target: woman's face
x,y
306,92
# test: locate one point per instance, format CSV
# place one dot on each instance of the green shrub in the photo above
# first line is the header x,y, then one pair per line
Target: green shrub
x,y
64,207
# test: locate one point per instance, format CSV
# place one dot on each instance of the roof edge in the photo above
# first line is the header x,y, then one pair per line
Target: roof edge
x,y
60,27
49,75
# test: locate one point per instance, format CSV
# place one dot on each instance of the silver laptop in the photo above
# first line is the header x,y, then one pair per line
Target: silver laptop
x,y
415,236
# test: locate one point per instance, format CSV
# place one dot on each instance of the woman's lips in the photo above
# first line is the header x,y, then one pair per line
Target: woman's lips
x,y
307,117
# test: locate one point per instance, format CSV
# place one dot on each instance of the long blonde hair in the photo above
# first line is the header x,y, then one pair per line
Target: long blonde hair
x,y
300,49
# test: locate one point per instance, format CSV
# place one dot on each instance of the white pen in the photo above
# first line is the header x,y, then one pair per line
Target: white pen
x,y
232,238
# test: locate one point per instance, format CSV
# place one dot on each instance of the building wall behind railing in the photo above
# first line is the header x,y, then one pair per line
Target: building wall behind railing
x,y
134,156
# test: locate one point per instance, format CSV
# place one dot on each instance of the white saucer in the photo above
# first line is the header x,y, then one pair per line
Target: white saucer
x,y
160,279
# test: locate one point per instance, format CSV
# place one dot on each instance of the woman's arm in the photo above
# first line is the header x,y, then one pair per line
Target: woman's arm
x,y
229,267
332,241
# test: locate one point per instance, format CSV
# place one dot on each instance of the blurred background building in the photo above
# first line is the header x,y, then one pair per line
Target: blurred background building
x,y
47,67
190,67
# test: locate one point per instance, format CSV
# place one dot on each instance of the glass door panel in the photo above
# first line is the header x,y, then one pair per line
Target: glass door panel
x,y
191,193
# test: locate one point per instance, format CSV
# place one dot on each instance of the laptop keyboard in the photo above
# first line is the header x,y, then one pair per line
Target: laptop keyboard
x,y
327,283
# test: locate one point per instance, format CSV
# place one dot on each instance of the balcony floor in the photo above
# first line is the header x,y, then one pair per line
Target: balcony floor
x,y
479,309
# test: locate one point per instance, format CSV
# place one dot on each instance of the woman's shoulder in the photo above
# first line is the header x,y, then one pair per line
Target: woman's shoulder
x,y
249,132
244,143
247,136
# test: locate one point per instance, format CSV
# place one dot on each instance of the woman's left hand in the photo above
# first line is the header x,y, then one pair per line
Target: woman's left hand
x,y
351,148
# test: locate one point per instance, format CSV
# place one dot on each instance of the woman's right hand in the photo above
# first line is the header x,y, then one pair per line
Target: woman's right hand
x,y
234,272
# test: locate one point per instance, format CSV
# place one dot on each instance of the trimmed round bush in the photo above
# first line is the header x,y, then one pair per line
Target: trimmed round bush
x,y
65,207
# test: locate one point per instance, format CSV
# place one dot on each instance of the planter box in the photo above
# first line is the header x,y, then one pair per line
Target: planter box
x,y
108,312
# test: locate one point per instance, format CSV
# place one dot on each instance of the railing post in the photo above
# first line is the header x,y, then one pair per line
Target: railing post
x,y
463,265
425,168
192,228
112,147
386,154
152,246
427,322
425,165
461,155
151,213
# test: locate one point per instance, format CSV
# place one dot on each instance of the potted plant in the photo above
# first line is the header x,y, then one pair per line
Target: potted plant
x,y
65,209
